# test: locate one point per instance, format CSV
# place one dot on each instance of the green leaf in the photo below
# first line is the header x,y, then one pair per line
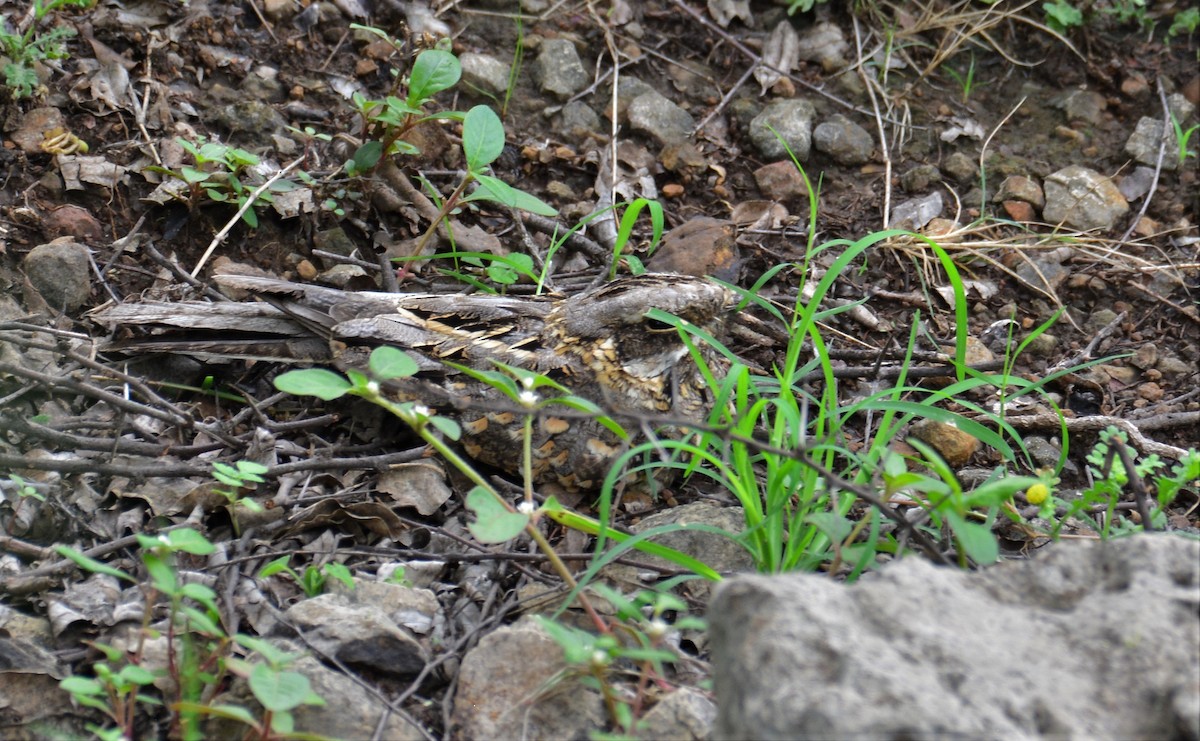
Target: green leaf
x,y
341,573
191,175
995,493
162,573
318,382
448,427
202,594
91,564
278,691
494,523
201,622
228,712
482,139
366,157
387,363
494,189
577,645
629,218
266,649
977,540
252,471
135,674
434,71
279,565
834,526
503,274
81,686
189,541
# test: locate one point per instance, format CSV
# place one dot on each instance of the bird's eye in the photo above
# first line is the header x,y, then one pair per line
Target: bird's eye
x,y
657,325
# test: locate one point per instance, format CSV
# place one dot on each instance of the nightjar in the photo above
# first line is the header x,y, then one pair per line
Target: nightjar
x,y
599,344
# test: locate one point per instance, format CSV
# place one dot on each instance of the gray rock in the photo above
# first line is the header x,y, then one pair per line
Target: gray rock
x,y
1145,357
559,70
1044,269
654,114
1062,646
780,181
61,272
684,715
415,609
348,712
960,167
1020,188
629,88
484,72
743,110
723,554
1044,345
357,634
1083,105
1171,365
1137,183
1047,454
917,212
335,240
843,140
920,178
793,120
1083,199
577,118
1098,320
503,690
250,118
1180,107
1146,140
263,84
824,43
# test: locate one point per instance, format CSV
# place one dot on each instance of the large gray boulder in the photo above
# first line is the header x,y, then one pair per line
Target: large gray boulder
x,y
1093,640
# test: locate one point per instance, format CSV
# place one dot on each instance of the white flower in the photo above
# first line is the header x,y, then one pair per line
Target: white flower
x,y
527,399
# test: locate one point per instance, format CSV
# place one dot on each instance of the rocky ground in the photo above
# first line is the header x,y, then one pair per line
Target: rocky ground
x,y
1035,160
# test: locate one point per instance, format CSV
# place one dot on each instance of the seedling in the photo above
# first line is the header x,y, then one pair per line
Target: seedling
x,y
242,475
1182,137
25,49
966,81
198,656
313,580
222,174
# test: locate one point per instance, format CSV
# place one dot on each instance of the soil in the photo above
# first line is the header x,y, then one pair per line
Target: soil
x,y
255,75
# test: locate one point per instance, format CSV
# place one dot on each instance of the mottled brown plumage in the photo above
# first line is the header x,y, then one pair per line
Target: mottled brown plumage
x,y
599,344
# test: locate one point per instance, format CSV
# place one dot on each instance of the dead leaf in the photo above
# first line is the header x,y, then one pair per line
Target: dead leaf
x,y
980,289
421,486
353,518
769,215
77,170
700,246
780,55
724,11
959,126
293,202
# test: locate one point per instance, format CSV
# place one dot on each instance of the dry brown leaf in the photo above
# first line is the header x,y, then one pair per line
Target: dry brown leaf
x,y
780,55
354,518
724,11
421,486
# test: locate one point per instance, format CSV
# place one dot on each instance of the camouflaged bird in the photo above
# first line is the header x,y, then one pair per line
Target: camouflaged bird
x,y
599,344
